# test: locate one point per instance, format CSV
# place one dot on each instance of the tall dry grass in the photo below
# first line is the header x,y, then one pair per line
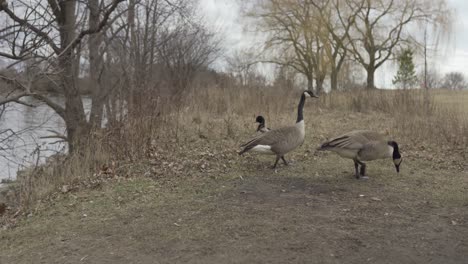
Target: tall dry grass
x,y
417,115
213,113
60,173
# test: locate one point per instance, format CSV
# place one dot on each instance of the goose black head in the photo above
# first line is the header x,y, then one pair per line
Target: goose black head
x,y
309,93
396,156
260,119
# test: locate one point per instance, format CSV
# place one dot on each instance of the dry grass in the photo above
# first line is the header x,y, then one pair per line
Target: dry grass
x,y
202,203
59,173
455,100
438,119
227,114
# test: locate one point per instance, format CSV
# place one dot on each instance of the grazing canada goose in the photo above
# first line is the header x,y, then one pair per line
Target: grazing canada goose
x,y
364,145
282,140
261,127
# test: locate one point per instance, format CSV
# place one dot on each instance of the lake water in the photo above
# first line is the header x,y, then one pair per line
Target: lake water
x,y
26,125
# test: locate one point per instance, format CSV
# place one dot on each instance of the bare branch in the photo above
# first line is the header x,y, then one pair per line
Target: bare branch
x,y
30,26
26,92
89,31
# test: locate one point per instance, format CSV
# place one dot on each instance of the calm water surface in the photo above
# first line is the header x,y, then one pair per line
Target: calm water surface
x,y
29,124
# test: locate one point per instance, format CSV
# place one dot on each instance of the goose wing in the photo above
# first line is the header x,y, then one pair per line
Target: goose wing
x,y
269,138
356,139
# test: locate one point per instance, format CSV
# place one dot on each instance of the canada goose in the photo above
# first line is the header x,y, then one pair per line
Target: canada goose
x,y
261,127
282,140
364,145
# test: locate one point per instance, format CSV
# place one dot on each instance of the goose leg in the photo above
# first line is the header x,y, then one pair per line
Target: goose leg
x,y
363,169
362,173
285,162
356,169
276,162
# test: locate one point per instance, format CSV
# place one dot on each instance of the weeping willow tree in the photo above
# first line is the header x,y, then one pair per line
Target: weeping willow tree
x,y
382,26
296,37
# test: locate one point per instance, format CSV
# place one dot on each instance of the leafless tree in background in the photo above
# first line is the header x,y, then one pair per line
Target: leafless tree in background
x,y
433,79
161,47
339,21
186,51
382,25
295,37
454,81
240,66
315,37
53,33
133,51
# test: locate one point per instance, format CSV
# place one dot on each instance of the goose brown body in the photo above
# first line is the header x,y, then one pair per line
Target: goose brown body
x,y
363,145
279,141
282,140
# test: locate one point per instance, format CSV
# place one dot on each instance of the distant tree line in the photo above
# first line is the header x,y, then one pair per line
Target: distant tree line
x,y
319,39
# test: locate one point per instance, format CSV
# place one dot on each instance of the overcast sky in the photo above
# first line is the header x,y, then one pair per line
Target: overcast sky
x,y
452,56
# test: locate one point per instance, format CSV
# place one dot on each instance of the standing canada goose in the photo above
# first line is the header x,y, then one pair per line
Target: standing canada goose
x,y
364,145
282,140
261,126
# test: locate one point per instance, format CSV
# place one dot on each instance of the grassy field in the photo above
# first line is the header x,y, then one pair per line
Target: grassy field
x,y
197,201
453,99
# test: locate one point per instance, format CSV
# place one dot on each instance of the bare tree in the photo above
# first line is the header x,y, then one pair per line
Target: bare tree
x,y
52,32
241,66
338,20
187,51
381,26
454,81
296,37
432,78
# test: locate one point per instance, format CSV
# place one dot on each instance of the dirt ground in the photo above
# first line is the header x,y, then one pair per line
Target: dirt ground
x,y
313,211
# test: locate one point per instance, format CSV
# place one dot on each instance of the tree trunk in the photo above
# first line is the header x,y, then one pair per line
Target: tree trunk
x,y
319,84
310,82
75,119
133,57
95,63
370,77
334,79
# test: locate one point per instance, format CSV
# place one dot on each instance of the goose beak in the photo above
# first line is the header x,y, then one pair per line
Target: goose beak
x,y
397,167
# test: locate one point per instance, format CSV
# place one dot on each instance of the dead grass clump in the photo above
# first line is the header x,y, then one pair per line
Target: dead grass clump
x,y
60,173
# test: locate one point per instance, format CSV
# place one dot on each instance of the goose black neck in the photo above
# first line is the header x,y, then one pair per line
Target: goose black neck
x,y
300,116
396,150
